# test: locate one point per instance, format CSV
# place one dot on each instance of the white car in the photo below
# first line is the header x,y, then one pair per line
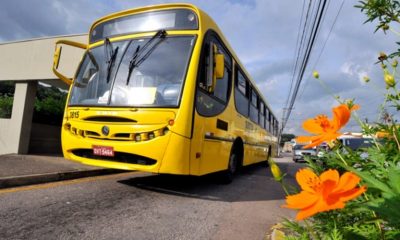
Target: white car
x,y
299,152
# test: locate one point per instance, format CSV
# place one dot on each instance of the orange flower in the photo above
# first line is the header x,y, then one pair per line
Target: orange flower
x,y
325,129
324,193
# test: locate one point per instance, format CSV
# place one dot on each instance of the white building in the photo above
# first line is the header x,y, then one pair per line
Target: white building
x,y
26,63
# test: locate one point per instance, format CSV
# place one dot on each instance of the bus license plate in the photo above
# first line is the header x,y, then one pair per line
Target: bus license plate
x,y
103,151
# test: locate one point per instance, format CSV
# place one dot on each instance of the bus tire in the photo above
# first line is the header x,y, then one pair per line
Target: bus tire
x,y
228,175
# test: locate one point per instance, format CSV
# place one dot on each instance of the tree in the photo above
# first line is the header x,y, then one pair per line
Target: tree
x,y
286,137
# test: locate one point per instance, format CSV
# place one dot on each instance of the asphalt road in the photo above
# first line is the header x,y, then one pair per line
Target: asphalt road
x,y
145,206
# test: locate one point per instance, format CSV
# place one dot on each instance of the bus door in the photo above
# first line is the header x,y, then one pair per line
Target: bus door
x,y
211,139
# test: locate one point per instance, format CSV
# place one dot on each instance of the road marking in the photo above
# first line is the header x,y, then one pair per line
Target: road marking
x,y
64,183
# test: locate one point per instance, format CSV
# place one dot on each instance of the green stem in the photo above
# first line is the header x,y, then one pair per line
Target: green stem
x,y
395,136
383,107
375,217
365,196
284,188
341,158
327,89
310,230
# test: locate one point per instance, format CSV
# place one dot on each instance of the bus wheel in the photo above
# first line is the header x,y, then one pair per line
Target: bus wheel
x,y
227,175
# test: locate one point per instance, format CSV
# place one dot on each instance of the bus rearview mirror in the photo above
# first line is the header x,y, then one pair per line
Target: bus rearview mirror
x,y
219,66
57,57
216,60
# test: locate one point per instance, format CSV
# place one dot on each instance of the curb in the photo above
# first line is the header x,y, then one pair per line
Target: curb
x,y
17,181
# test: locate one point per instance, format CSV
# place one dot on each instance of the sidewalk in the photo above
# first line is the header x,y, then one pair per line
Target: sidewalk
x,y
19,170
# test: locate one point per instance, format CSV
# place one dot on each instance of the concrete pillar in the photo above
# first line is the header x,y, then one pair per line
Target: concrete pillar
x,y
22,112
15,132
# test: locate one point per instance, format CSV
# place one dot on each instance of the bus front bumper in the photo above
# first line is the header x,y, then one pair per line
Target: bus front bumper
x,y
168,153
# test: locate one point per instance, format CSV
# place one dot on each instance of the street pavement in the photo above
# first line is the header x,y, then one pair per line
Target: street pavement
x,y
20,170
135,205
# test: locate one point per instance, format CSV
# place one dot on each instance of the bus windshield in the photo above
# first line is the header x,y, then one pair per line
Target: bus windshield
x,y
155,78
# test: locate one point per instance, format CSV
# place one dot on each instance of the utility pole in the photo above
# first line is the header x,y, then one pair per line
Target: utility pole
x,y
283,123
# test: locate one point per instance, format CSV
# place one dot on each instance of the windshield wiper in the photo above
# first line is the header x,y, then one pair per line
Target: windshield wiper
x,y
111,55
134,62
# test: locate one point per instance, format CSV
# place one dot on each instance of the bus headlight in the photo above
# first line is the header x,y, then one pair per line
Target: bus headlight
x,y
138,138
165,131
151,136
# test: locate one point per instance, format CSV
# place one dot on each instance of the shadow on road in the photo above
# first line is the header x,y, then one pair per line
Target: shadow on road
x,y
253,183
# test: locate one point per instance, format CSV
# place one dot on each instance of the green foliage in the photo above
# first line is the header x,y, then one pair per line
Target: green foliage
x,y
49,105
48,108
383,11
6,103
6,98
286,137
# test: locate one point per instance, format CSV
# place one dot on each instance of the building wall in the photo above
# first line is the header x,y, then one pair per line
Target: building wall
x,y
33,59
27,62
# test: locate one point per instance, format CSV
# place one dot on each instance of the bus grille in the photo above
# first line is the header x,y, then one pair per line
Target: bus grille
x,y
118,157
124,136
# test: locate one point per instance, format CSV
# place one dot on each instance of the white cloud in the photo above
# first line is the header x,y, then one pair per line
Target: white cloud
x,y
355,70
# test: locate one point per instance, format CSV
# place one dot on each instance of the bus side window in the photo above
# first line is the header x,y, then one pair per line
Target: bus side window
x,y
241,94
262,114
212,103
253,106
270,122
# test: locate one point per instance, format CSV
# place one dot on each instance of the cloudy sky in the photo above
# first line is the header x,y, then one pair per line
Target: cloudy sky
x,y
263,33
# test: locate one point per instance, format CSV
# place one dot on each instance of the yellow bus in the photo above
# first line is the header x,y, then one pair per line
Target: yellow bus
x,y
160,90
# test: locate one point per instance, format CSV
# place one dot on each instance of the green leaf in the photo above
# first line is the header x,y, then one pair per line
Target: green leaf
x,y
394,180
372,181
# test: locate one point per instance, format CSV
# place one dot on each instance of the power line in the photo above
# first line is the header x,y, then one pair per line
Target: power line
x,y
299,46
311,40
310,44
323,47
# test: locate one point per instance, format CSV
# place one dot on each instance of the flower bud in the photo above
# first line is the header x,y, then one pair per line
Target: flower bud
x,y
276,171
389,80
395,63
316,74
385,27
366,79
351,105
382,56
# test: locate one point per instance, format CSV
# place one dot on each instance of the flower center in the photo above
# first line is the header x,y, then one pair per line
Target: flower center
x,y
314,183
323,122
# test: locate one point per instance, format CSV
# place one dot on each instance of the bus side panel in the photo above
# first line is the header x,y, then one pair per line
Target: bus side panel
x,y
215,156
212,154
196,145
176,157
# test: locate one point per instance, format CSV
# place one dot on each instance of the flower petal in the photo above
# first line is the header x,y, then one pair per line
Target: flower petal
x,y
355,107
304,139
329,179
354,193
310,125
341,115
347,182
301,200
330,174
307,179
307,139
333,204
310,211
318,140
